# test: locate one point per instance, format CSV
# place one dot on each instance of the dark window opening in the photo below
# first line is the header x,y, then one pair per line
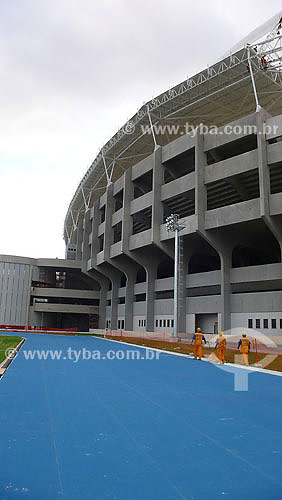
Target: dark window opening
x,y
235,189
102,214
141,297
164,294
182,204
121,324
101,243
231,149
117,232
143,184
142,220
121,300
141,276
275,178
203,291
204,263
250,323
257,323
273,323
109,302
123,281
245,256
118,201
165,269
275,139
179,166
66,300
265,323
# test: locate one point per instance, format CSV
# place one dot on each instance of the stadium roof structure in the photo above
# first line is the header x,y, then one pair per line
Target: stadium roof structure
x,y
249,76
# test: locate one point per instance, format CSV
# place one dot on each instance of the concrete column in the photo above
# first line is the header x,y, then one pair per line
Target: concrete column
x,y
104,286
85,254
150,261
95,240
79,240
200,187
114,306
264,175
215,239
187,253
150,297
100,273
102,304
127,223
226,265
157,207
264,179
129,300
108,235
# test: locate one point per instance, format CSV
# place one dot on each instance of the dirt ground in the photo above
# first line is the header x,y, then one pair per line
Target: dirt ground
x,y
186,348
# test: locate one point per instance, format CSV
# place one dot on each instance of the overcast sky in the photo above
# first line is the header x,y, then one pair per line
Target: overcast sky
x,y
72,72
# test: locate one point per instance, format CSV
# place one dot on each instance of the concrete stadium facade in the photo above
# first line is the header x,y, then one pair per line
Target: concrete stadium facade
x,y
210,150
227,188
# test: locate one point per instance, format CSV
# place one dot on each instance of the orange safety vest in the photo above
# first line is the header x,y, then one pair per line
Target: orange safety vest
x,y
198,338
221,343
244,347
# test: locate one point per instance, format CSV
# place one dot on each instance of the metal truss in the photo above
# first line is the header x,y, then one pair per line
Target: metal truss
x,y
264,58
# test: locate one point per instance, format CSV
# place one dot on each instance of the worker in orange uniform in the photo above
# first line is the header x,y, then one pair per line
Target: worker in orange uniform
x,y
244,345
198,339
220,345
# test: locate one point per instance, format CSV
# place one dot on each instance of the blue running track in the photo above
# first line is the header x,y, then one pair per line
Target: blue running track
x,y
165,429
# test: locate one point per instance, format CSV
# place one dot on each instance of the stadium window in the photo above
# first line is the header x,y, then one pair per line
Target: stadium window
x,y
118,324
273,323
139,323
265,323
280,323
250,323
157,323
257,323
144,322
161,323
172,323
122,324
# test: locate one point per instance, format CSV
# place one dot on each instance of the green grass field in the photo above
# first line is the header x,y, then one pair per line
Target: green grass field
x,y
7,342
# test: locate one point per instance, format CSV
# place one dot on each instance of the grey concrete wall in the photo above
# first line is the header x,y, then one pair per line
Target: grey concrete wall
x,y
62,292
221,228
65,308
16,275
14,292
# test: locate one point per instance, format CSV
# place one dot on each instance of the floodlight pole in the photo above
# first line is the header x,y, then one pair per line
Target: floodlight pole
x,y
175,295
172,224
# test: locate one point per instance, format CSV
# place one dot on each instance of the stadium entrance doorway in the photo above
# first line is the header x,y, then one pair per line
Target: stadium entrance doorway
x,y
206,322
